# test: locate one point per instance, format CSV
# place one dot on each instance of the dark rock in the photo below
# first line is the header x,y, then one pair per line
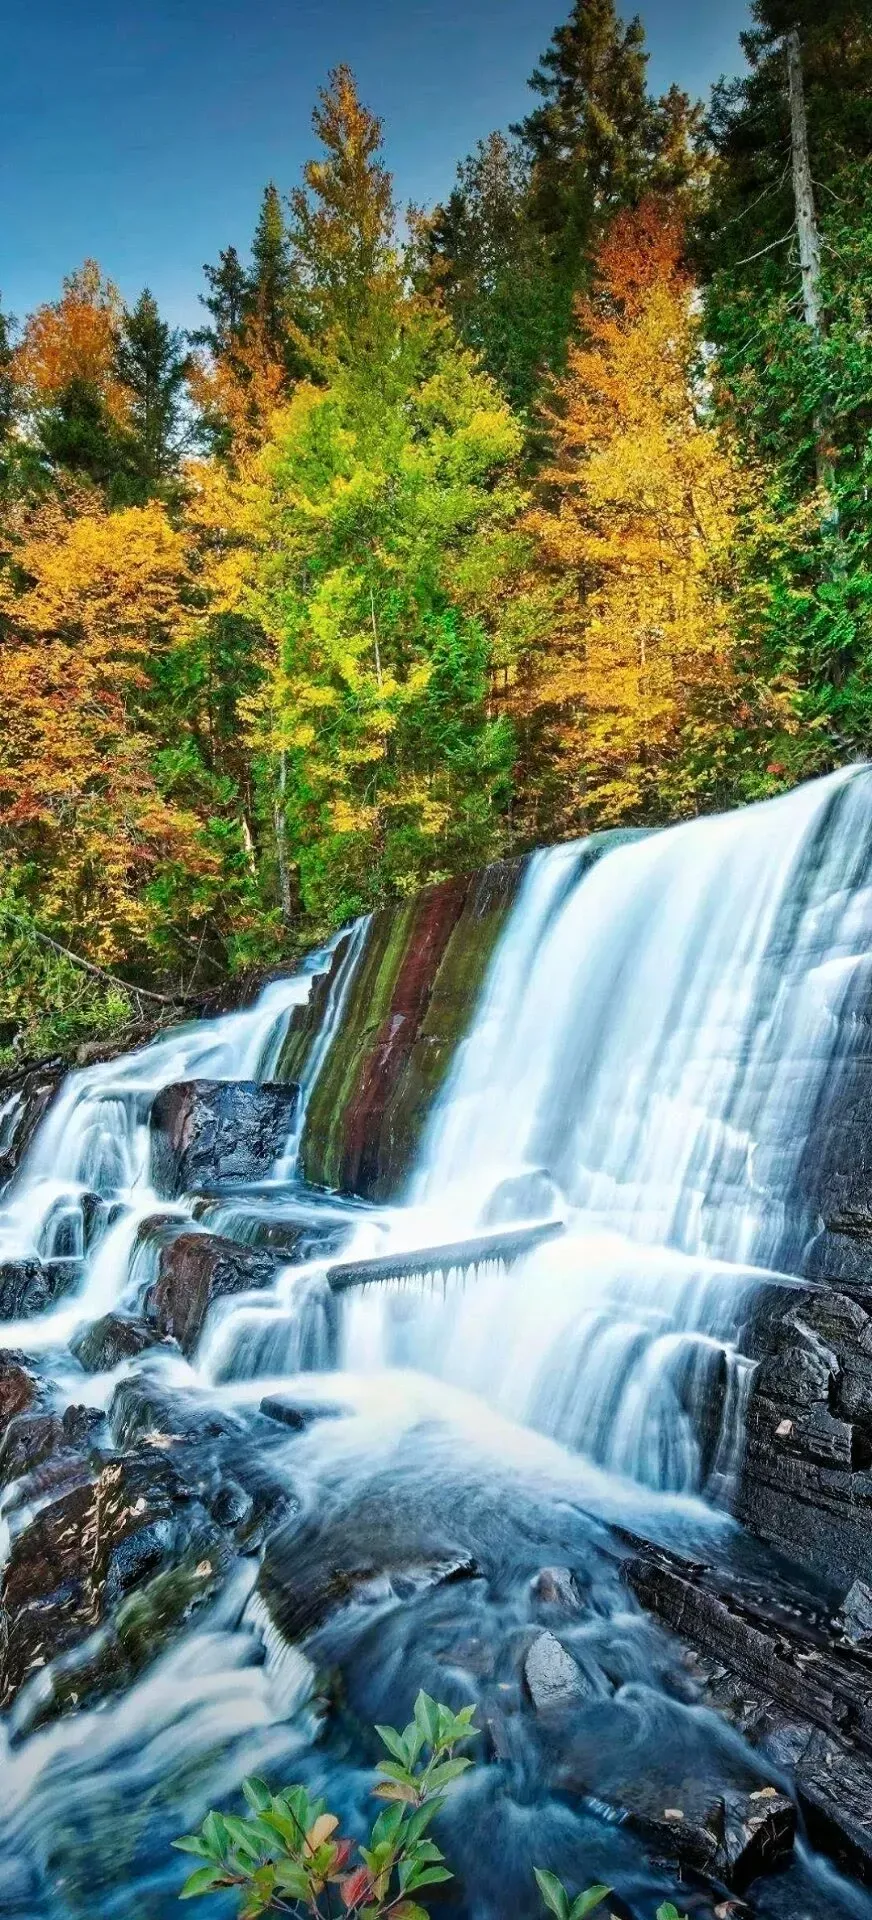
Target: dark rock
x,y
800,1374
142,1408
557,1587
24,1289
757,1835
367,1556
103,1344
819,1436
551,1676
232,1506
19,1388
855,1614
728,1834
29,1439
206,1132
73,1564
29,1092
195,1269
290,1413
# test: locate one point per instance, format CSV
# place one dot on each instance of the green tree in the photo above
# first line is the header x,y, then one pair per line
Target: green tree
x,y
798,398
225,301
387,502
152,365
270,281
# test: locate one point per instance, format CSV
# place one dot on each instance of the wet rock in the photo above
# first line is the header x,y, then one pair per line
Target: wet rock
x,y
820,1437
370,1555
29,1092
526,1196
30,1438
294,1414
24,1289
104,1343
800,1374
71,1566
143,1408
207,1132
728,1834
232,1506
551,1676
19,1387
855,1614
557,1587
145,1624
195,1269
31,1286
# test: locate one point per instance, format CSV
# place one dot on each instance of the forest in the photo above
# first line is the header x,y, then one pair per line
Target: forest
x,y
452,531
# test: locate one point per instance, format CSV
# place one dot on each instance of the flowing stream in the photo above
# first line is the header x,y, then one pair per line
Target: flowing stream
x,y
644,1064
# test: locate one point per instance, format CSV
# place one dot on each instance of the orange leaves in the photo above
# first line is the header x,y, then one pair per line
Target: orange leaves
x,y
74,341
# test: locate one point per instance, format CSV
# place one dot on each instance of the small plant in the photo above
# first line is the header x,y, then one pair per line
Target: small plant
x,y
558,1902
286,1855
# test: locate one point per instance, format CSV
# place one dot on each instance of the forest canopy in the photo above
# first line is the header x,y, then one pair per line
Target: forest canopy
x,y
450,531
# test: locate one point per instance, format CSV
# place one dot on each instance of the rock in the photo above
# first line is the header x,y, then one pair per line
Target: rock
x,y
801,1374
525,1196
757,1835
232,1505
288,1413
557,1587
104,1343
19,1388
197,1268
370,1554
74,1563
30,1438
552,1678
206,1132
30,1286
855,1613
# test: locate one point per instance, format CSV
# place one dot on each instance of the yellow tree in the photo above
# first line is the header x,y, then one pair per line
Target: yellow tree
x,y
91,600
637,692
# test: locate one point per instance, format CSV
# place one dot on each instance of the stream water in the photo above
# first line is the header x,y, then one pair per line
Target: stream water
x,y
644,1064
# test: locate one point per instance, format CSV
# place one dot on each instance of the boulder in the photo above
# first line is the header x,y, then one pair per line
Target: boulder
x,y
19,1388
557,1587
104,1343
75,1562
29,1286
855,1614
551,1676
294,1414
30,1438
207,1132
729,1833
197,1268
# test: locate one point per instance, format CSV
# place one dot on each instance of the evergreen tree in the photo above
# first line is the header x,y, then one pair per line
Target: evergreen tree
x,y
226,301
799,399
152,365
342,233
270,282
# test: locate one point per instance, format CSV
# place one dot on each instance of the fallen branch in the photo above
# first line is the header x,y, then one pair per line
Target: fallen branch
x,y
90,966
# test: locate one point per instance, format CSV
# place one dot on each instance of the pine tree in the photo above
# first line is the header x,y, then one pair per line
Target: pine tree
x,y
270,281
342,232
66,369
152,365
226,301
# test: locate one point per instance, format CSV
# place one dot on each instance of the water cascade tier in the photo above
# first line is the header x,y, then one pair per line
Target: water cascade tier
x,y
488,1308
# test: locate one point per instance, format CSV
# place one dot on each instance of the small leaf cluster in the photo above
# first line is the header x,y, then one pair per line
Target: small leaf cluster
x,y
287,1853
558,1901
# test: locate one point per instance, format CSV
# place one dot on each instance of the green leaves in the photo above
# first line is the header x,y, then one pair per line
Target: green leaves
x,y
285,1854
558,1902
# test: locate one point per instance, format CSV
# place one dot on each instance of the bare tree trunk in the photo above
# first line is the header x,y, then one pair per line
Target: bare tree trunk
x,y
808,235
281,834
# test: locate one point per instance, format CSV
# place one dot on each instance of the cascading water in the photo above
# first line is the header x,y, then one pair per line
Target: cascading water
x,y
643,1063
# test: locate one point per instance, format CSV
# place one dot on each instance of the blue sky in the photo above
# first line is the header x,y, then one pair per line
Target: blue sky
x,y
143,134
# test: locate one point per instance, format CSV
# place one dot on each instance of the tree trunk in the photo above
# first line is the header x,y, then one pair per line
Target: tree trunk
x,y
281,832
809,239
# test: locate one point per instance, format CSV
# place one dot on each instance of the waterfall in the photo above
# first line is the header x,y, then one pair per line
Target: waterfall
x,y
633,1101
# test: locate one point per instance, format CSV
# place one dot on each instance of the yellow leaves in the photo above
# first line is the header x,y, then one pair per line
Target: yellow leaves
x,y
647,504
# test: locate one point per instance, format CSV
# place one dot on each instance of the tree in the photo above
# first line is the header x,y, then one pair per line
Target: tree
x,y
66,367
796,395
386,501
270,282
152,365
639,703
342,234
483,252
226,301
